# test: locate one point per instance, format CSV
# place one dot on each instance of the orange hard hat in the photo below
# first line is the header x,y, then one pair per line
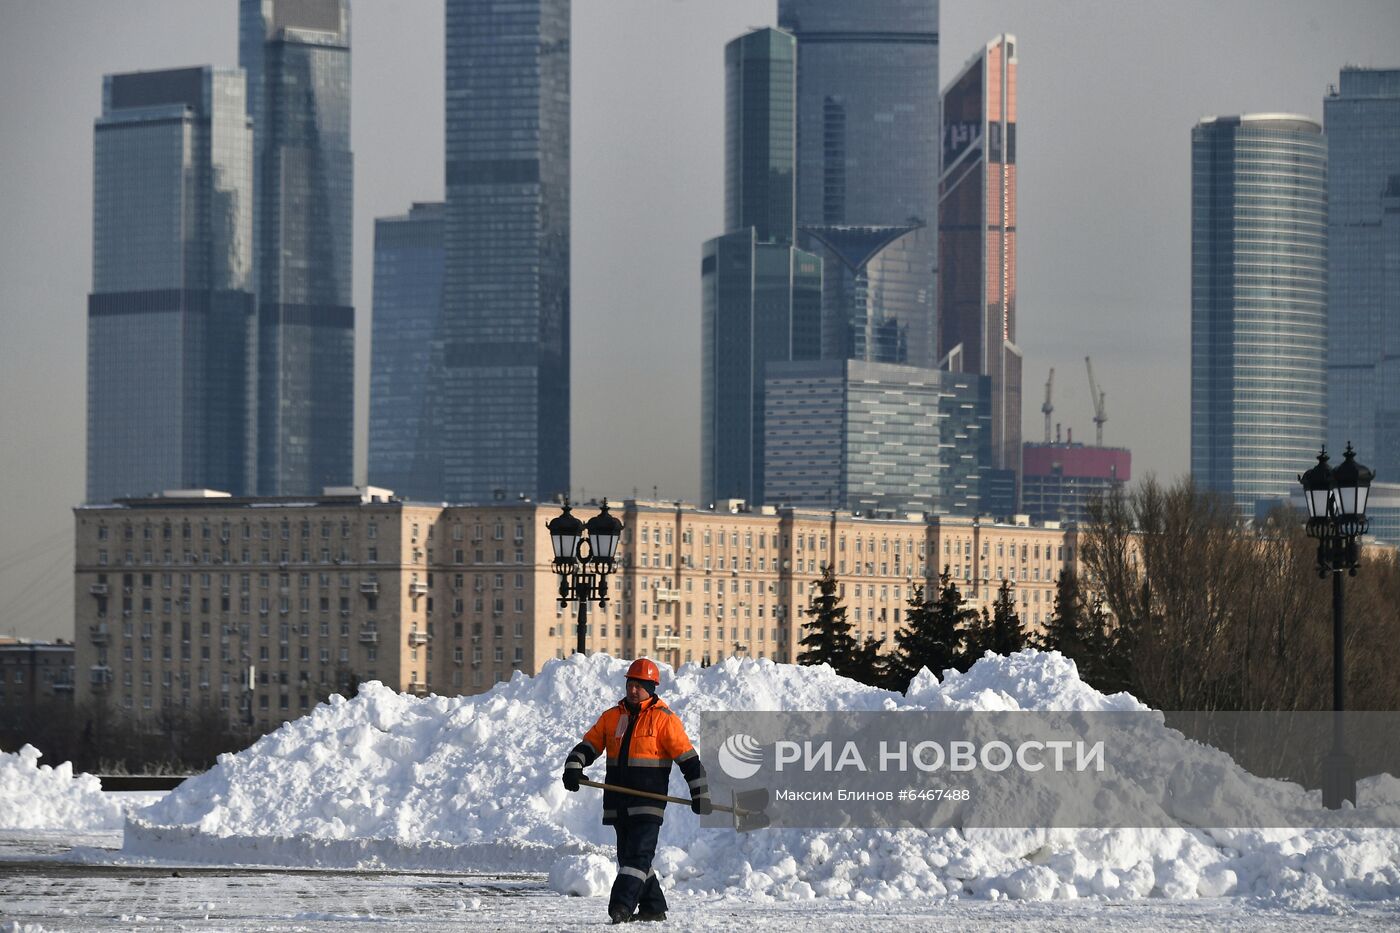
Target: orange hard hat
x,y
644,669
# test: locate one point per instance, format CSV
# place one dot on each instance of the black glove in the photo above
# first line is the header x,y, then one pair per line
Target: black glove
x,y
702,806
572,777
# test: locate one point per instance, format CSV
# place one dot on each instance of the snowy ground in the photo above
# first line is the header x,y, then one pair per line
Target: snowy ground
x,y
49,893
424,814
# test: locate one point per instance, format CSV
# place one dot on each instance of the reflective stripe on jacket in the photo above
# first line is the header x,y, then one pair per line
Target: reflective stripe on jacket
x,y
640,750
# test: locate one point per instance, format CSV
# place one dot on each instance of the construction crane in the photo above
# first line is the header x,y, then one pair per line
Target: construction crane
x,y
1047,408
1100,411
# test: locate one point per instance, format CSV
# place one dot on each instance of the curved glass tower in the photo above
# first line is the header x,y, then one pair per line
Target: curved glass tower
x,y
867,110
1258,303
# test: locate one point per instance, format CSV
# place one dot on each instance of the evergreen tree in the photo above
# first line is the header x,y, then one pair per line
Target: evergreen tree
x,y
1079,628
1066,628
1006,634
998,631
932,634
827,638
1104,658
868,665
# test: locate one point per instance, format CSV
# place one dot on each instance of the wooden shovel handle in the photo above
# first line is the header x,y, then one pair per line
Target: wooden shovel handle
x,y
651,796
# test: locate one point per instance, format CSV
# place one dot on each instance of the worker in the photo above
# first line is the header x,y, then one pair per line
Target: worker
x,y
642,737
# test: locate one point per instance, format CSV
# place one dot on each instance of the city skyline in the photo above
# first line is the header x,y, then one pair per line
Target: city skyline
x,y
1104,266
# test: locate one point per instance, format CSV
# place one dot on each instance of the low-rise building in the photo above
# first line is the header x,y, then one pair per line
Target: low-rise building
x,y
33,672
1059,481
264,606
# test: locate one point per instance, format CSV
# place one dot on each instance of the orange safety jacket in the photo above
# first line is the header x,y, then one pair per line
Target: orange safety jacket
x,y
640,751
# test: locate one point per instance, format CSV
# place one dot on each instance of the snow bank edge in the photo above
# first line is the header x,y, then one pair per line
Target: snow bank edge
x,y
189,845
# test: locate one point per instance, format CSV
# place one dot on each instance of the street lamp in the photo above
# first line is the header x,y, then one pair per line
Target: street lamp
x,y
1337,518
583,557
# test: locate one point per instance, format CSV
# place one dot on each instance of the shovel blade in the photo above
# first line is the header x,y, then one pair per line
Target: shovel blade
x,y
748,809
751,800
748,822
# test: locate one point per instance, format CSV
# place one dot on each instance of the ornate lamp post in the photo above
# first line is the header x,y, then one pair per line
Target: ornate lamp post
x,y
583,558
1337,519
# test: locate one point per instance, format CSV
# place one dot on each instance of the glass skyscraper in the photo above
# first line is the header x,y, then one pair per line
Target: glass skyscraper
x,y
297,56
977,241
877,292
1362,119
761,296
170,317
760,303
1258,303
408,260
876,437
867,110
867,170
503,386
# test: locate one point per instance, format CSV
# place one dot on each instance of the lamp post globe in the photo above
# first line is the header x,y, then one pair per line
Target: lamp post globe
x,y
1352,481
1317,488
564,533
604,531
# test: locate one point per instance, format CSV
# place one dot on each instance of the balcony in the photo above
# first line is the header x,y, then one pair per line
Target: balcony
x,y
62,686
417,688
101,676
417,589
416,638
369,636
98,633
98,589
667,642
369,587
667,596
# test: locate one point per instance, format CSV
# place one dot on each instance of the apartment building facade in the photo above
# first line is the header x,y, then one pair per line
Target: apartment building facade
x,y
263,607
34,672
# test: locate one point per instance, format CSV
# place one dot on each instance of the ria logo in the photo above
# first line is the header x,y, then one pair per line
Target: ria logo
x,y
740,756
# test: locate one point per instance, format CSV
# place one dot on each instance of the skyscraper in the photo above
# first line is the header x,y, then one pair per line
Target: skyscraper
x,y
977,239
867,110
170,317
1258,303
867,170
761,297
876,437
1362,119
877,292
503,385
403,454
297,56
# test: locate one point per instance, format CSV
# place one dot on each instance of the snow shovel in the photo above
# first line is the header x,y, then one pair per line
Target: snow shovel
x,y
747,809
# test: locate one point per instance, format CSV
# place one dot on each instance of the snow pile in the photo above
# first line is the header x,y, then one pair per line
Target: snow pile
x,y
474,782
35,796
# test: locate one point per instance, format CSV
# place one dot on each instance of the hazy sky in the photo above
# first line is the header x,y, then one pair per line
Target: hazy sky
x,y
1109,91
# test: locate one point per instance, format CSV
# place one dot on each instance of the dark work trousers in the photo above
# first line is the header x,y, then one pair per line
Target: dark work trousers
x,y
636,885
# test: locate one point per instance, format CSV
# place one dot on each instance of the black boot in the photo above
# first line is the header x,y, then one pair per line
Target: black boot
x,y
619,915
659,915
